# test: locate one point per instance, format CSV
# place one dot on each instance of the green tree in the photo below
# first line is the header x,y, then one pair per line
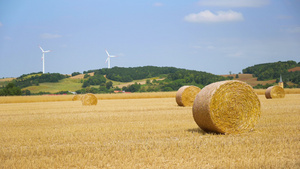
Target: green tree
x,y
148,81
124,88
117,88
103,89
26,92
109,85
96,80
75,73
134,87
10,90
85,84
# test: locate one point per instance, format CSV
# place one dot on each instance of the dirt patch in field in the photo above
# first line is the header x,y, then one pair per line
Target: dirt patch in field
x,y
7,79
294,69
248,78
81,76
138,82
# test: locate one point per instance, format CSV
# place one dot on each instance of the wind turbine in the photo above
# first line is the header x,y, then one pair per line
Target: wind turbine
x,y
108,59
43,58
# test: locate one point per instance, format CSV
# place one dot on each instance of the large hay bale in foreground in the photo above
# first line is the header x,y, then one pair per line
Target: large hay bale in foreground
x,y
76,97
186,95
89,99
273,92
228,106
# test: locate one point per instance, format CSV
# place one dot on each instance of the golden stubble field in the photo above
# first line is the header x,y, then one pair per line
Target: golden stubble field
x,y
142,133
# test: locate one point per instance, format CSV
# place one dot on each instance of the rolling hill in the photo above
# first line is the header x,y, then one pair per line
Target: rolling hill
x,y
151,78
75,83
248,78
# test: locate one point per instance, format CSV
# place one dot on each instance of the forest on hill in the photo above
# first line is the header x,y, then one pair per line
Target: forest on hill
x,y
122,74
170,78
36,78
174,78
268,71
25,80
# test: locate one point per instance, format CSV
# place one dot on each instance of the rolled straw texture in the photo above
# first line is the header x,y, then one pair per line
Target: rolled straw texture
x,y
186,95
89,99
76,97
226,107
273,92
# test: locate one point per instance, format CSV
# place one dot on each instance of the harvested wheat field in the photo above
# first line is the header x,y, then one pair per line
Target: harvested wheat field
x,y
143,133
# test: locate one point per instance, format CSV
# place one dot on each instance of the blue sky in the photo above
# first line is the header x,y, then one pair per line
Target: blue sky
x,y
215,36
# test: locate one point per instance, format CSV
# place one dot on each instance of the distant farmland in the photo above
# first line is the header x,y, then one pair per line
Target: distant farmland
x,y
248,78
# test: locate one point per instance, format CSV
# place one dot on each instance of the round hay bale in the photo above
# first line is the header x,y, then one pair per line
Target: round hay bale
x,y
89,99
228,106
76,97
185,95
273,92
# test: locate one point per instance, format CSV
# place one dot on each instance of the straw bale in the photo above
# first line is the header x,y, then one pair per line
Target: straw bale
x,y
273,92
228,106
185,95
89,99
76,97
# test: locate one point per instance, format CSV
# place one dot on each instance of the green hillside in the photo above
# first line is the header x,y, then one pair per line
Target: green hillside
x,y
269,71
55,87
147,79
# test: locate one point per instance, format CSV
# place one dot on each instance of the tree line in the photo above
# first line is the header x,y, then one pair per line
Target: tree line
x,y
33,79
10,90
122,74
173,78
268,71
172,81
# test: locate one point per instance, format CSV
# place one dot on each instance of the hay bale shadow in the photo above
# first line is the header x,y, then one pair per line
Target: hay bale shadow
x,y
197,130
202,132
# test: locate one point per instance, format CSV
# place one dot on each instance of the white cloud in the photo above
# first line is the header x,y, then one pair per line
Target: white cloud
x,y
234,3
207,16
158,4
294,30
50,36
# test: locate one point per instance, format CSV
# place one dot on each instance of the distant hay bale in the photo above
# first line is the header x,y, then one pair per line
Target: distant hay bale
x,y
76,97
89,99
273,92
226,107
185,95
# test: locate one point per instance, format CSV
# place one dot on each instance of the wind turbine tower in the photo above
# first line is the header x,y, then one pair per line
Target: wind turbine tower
x,y
43,58
108,59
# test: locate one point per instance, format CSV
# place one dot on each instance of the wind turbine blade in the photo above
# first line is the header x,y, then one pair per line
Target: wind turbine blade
x,y
113,56
107,59
107,53
41,48
47,51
